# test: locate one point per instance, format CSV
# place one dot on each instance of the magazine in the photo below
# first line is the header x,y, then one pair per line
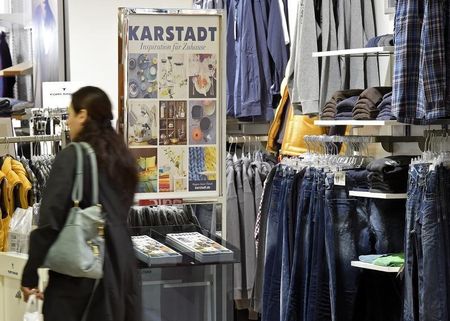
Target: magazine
x,y
153,252
203,248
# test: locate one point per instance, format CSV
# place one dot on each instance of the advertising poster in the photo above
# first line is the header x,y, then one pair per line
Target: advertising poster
x,y
173,102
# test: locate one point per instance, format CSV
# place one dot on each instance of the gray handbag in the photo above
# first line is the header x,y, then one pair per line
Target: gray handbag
x,y
79,249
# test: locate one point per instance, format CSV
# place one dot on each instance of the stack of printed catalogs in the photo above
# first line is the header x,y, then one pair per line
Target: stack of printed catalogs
x,y
153,252
201,247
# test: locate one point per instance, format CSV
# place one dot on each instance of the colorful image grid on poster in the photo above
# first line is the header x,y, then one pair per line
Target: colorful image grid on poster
x,y
172,85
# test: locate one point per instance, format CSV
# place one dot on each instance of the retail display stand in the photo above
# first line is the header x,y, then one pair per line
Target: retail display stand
x,y
172,115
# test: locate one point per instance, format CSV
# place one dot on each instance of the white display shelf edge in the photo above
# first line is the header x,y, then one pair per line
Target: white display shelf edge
x,y
373,267
351,122
386,196
356,52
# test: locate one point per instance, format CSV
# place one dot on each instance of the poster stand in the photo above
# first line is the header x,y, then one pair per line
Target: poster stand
x,y
172,113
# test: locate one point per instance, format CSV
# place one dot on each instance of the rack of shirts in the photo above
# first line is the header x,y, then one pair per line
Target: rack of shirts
x,y
258,52
246,174
311,228
22,180
142,216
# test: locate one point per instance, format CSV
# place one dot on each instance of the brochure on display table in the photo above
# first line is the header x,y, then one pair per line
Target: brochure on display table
x,y
203,248
152,252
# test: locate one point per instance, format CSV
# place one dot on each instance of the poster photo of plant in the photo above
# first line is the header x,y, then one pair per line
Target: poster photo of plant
x,y
173,169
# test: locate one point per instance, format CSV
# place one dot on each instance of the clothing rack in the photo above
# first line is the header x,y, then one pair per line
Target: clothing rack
x,y
32,139
246,139
387,142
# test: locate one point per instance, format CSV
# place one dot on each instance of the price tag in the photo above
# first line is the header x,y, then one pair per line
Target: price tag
x,y
339,178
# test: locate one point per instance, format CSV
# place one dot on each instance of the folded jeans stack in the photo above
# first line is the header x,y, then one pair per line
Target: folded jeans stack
x,y
385,108
366,106
389,175
381,41
330,109
344,108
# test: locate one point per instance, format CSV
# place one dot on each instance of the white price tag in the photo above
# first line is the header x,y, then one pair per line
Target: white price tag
x,y
339,178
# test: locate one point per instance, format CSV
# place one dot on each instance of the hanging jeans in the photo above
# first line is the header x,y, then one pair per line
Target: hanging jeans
x,y
348,225
426,295
274,243
295,303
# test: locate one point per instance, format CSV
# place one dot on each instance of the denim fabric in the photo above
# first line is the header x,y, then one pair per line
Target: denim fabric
x,y
295,304
434,292
416,188
348,223
286,258
319,307
273,264
387,222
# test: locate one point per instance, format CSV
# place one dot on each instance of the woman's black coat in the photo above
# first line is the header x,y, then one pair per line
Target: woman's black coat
x,y
117,297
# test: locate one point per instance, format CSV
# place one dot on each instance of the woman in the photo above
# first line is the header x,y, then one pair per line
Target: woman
x,y
117,297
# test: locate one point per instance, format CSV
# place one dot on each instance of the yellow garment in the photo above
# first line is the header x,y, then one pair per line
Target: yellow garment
x,y
4,217
297,127
275,126
12,181
25,187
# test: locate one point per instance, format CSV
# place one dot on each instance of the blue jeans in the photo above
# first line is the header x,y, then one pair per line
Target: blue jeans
x,y
426,296
274,245
319,303
416,190
429,226
347,230
297,285
387,224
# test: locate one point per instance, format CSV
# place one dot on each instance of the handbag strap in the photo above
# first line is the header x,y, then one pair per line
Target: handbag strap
x,y
77,191
94,171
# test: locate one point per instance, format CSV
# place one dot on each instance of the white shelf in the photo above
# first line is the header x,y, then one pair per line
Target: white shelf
x,y
351,122
386,196
373,267
376,51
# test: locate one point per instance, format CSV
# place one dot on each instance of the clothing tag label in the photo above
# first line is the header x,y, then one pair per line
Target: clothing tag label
x,y
339,178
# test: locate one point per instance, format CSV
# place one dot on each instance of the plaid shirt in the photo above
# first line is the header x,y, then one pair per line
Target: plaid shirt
x,y
421,72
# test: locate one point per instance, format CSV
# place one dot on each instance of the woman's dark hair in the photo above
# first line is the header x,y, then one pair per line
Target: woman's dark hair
x,y
112,154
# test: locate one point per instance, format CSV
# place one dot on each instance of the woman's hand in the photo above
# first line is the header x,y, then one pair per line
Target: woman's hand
x,y
29,291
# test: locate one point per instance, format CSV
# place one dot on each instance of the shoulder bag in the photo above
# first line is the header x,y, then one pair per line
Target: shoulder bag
x,y
79,249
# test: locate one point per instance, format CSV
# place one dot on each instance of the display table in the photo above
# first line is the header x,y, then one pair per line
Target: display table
x,y
189,290
12,306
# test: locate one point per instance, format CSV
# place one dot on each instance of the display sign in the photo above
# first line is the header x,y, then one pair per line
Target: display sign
x,y
58,94
173,102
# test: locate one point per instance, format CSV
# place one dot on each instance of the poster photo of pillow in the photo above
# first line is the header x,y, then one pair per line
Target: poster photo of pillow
x,y
172,78
143,76
147,161
202,122
202,76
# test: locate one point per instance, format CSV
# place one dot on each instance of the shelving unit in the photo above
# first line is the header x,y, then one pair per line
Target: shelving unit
x,y
374,51
373,267
385,196
351,122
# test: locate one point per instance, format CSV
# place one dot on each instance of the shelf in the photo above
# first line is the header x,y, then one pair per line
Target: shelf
x,y
375,51
21,69
386,196
373,267
351,122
